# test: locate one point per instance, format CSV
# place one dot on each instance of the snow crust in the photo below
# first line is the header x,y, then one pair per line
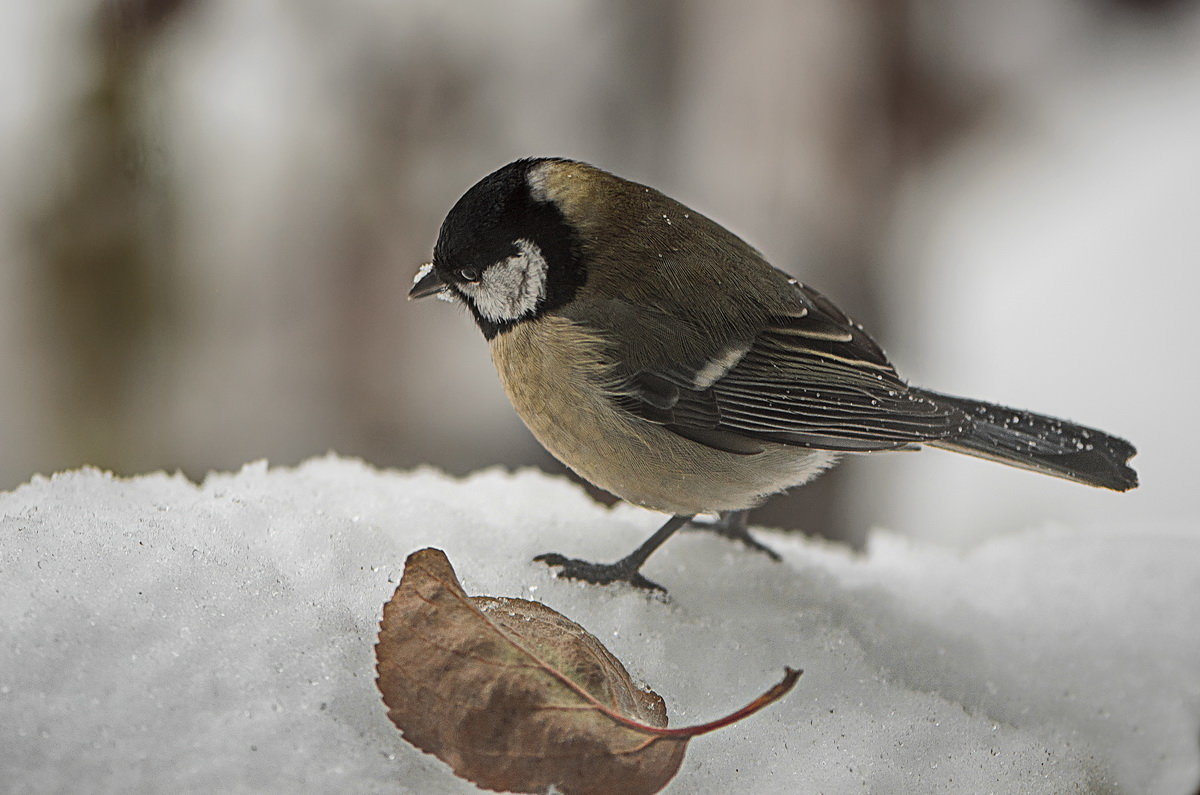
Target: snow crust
x,y
162,636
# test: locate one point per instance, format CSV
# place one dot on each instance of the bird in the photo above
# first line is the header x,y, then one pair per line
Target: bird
x,y
665,360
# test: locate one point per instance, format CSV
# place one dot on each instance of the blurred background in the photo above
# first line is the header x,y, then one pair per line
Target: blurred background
x,y
211,210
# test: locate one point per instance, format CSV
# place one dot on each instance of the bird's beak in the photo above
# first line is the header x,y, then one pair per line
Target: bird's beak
x,y
426,282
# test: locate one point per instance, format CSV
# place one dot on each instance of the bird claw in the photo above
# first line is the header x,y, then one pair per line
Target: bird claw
x,y
598,573
733,528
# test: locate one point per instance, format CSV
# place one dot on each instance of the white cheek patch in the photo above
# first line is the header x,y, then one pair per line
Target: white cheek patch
x,y
513,288
718,366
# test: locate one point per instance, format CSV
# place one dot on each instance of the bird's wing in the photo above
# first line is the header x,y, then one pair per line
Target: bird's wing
x,y
810,378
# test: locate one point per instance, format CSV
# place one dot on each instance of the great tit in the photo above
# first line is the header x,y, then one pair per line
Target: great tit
x,y
662,358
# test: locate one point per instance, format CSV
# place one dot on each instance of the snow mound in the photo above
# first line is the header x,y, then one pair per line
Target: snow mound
x,y
163,636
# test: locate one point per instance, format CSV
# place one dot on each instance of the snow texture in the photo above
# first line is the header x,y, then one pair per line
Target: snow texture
x,y
162,636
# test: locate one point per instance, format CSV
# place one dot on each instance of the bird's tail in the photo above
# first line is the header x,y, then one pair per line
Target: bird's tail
x,y
1043,444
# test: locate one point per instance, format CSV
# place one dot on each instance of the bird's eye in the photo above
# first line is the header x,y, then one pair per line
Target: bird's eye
x,y
468,274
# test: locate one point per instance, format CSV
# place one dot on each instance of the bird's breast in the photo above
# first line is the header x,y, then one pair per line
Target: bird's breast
x,y
558,378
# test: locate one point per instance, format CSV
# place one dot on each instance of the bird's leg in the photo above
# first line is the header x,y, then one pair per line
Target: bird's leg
x,y
625,569
734,526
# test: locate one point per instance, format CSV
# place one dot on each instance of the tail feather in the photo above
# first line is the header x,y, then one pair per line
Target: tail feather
x,y
1040,443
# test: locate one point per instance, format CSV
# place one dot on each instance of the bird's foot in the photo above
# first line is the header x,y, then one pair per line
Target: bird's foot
x,y
625,569
733,525
599,573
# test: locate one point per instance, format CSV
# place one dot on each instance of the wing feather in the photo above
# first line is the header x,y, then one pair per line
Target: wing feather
x,y
810,378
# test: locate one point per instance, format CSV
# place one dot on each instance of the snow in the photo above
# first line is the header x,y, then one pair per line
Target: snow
x,y
160,635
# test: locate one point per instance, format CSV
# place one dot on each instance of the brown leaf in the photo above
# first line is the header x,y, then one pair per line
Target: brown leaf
x,y
515,696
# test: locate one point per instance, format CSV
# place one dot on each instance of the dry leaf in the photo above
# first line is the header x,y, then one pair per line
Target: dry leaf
x,y
515,696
